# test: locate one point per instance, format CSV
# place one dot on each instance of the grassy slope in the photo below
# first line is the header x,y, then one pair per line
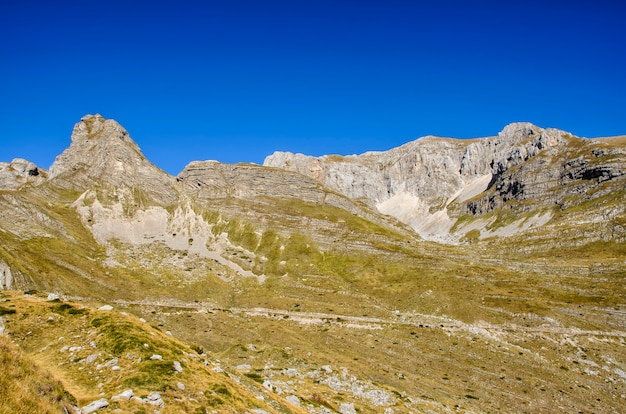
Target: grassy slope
x,y
64,336
27,388
448,318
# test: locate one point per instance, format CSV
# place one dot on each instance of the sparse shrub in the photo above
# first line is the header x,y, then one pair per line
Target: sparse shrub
x,y
6,311
67,308
221,389
317,398
76,311
255,377
198,349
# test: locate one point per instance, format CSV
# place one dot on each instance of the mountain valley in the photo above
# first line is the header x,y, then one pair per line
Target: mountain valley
x,y
442,276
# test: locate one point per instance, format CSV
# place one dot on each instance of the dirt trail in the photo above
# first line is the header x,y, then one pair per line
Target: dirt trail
x,y
366,322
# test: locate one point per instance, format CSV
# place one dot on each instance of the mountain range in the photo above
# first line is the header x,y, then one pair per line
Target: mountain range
x,y
443,275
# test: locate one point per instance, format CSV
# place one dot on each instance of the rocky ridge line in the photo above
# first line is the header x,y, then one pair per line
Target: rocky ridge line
x,y
420,182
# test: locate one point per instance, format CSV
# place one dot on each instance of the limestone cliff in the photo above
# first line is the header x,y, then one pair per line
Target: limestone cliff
x,y
102,154
430,182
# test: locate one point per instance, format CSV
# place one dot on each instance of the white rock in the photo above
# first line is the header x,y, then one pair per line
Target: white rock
x,y
19,172
95,406
347,408
154,398
177,367
124,395
91,358
180,386
156,357
6,277
111,362
293,400
52,296
105,308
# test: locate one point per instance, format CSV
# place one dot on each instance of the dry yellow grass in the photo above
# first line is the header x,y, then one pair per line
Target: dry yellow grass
x,y
74,343
619,140
25,387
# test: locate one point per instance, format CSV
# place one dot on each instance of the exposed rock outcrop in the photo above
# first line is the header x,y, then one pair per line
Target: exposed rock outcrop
x,y
205,181
430,182
6,277
103,152
95,406
20,172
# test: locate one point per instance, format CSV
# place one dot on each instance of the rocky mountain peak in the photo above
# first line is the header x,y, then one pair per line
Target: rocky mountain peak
x,y
102,151
421,182
97,127
518,131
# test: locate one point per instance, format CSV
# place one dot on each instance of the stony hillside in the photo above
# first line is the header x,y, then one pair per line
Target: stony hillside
x,y
106,360
287,289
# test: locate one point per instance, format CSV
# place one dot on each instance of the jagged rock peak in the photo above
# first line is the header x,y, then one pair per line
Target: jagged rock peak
x,y
519,130
102,152
97,145
96,127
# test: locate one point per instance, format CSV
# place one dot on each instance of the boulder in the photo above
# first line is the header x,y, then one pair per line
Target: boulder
x,y
124,395
177,367
347,408
154,398
95,406
292,399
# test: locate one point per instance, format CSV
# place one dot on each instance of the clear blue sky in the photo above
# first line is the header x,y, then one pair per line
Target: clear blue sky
x,y
236,80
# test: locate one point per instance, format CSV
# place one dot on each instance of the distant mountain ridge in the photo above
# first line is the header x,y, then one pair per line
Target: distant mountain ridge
x,y
431,183
442,188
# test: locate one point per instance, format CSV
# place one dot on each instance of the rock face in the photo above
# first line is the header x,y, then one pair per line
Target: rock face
x,y
205,181
6,277
103,152
95,406
18,173
430,182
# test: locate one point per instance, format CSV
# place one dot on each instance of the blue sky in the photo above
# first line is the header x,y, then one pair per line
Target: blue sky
x,y
237,80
